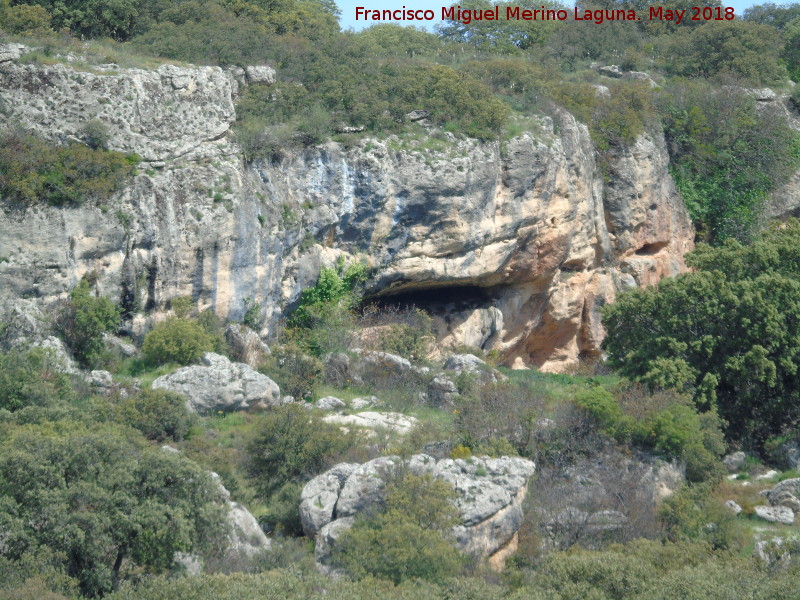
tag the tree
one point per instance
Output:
(746, 50)
(102, 498)
(176, 340)
(85, 319)
(292, 446)
(729, 333)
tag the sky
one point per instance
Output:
(348, 8)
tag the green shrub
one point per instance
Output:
(110, 498)
(34, 171)
(735, 349)
(408, 540)
(83, 321)
(95, 134)
(283, 509)
(727, 153)
(296, 372)
(158, 414)
(176, 340)
(293, 445)
(323, 320)
(411, 339)
(214, 327)
(25, 19)
(27, 378)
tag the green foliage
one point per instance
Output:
(323, 317)
(502, 35)
(34, 171)
(296, 372)
(692, 513)
(102, 498)
(182, 306)
(158, 414)
(746, 50)
(95, 134)
(662, 422)
(293, 445)
(727, 155)
(283, 509)
(176, 340)
(83, 321)
(25, 19)
(28, 378)
(728, 337)
(253, 314)
(407, 540)
(410, 339)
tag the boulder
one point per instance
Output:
(489, 496)
(118, 345)
(734, 461)
(61, 359)
(379, 364)
(442, 391)
(245, 344)
(217, 384)
(775, 514)
(25, 323)
(365, 402)
(785, 494)
(330, 403)
(319, 497)
(464, 362)
(394, 422)
(10, 52)
(733, 507)
(260, 74)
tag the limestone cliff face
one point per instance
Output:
(514, 247)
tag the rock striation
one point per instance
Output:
(489, 499)
(513, 246)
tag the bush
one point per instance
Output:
(112, 502)
(95, 134)
(726, 154)
(293, 445)
(27, 378)
(735, 348)
(662, 422)
(158, 414)
(283, 509)
(25, 19)
(408, 540)
(176, 340)
(490, 412)
(323, 320)
(83, 321)
(296, 373)
(34, 171)
(747, 50)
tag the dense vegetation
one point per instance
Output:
(727, 333)
(34, 171)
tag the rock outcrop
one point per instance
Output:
(219, 385)
(513, 246)
(489, 495)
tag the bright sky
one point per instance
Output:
(348, 8)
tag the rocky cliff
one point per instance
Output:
(514, 245)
